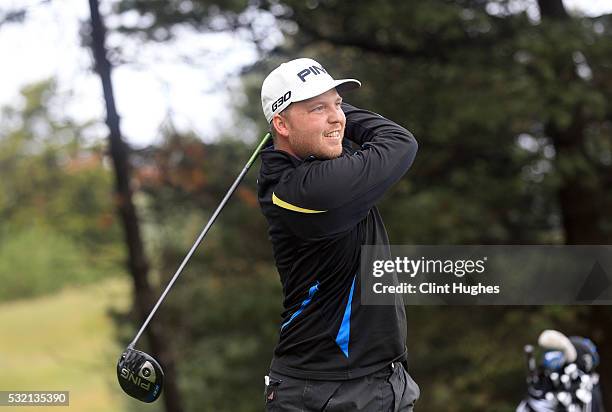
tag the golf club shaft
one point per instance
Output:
(201, 237)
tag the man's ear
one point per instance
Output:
(280, 125)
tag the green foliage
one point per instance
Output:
(56, 208)
(36, 261)
(470, 358)
(230, 340)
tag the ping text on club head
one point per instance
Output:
(135, 379)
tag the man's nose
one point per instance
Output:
(336, 115)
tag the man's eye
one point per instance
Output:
(317, 109)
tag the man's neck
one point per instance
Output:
(278, 145)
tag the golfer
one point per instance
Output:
(319, 198)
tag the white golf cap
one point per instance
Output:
(298, 80)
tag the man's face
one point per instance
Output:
(316, 126)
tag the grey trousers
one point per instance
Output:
(389, 390)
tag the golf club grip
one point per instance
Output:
(531, 363)
(201, 236)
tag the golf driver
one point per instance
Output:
(139, 374)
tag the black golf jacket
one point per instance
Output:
(319, 213)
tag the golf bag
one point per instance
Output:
(565, 379)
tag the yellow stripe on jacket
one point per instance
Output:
(285, 205)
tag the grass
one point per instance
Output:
(65, 341)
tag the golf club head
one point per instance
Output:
(553, 360)
(552, 339)
(139, 375)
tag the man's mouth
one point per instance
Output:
(333, 134)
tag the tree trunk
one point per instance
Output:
(137, 260)
(552, 9)
(582, 205)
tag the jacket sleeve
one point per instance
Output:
(338, 193)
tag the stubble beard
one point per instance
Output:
(305, 146)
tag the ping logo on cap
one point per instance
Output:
(312, 69)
